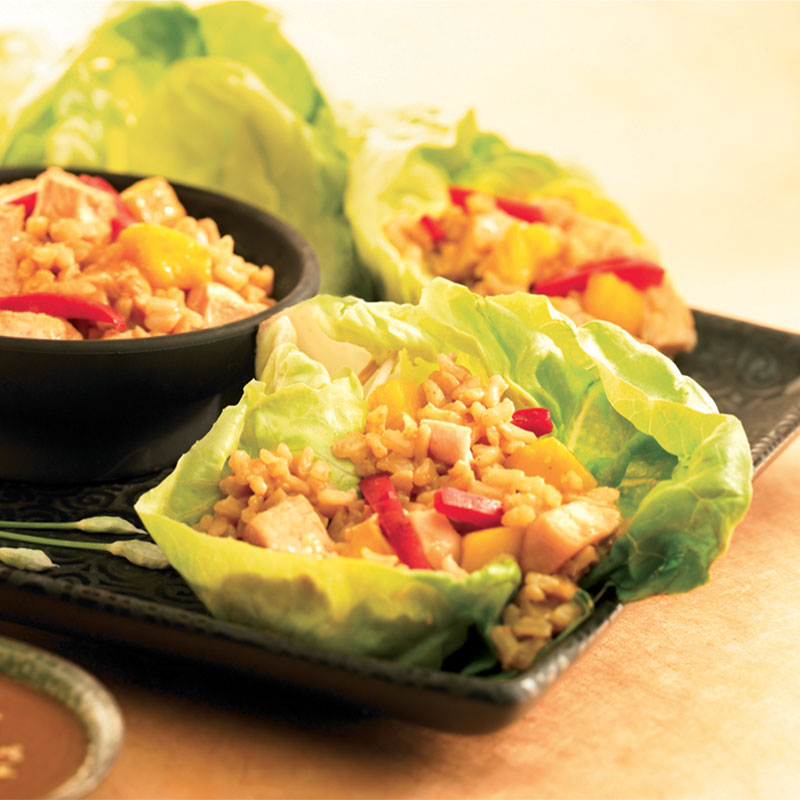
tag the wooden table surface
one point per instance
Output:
(690, 696)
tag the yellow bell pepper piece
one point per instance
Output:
(553, 460)
(165, 256)
(588, 200)
(610, 298)
(517, 257)
(399, 397)
(366, 534)
(478, 548)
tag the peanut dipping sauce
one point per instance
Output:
(42, 743)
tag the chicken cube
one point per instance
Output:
(438, 537)
(153, 200)
(558, 534)
(292, 526)
(16, 190)
(11, 219)
(449, 442)
(30, 325)
(61, 195)
(217, 304)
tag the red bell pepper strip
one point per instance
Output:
(637, 271)
(379, 492)
(459, 195)
(64, 306)
(123, 217)
(527, 212)
(98, 183)
(27, 201)
(536, 420)
(461, 506)
(517, 208)
(433, 227)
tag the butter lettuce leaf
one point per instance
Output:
(683, 469)
(349, 605)
(215, 97)
(407, 162)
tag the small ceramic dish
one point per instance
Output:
(71, 704)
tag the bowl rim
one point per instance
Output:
(90, 701)
(307, 286)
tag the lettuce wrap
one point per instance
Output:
(215, 97)
(683, 470)
(407, 163)
(426, 198)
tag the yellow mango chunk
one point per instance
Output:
(610, 298)
(165, 256)
(588, 200)
(366, 534)
(524, 247)
(551, 459)
(478, 548)
(399, 397)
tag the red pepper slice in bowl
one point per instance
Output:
(27, 201)
(382, 497)
(64, 306)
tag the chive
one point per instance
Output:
(26, 558)
(114, 525)
(143, 554)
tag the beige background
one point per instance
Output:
(688, 113)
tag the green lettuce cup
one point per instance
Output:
(427, 199)
(682, 469)
(214, 97)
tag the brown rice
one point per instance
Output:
(76, 256)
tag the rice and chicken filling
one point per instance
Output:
(568, 242)
(127, 265)
(470, 484)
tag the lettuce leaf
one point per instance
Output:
(350, 605)
(407, 162)
(682, 468)
(217, 98)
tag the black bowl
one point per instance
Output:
(86, 411)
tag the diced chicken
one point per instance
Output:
(292, 526)
(449, 442)
(439, 538)
(11, 218)
(29, 325)
(217, 304)
(62, 195)
(153, 200)
(18, 189)
(668, 324)
(558, 534)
